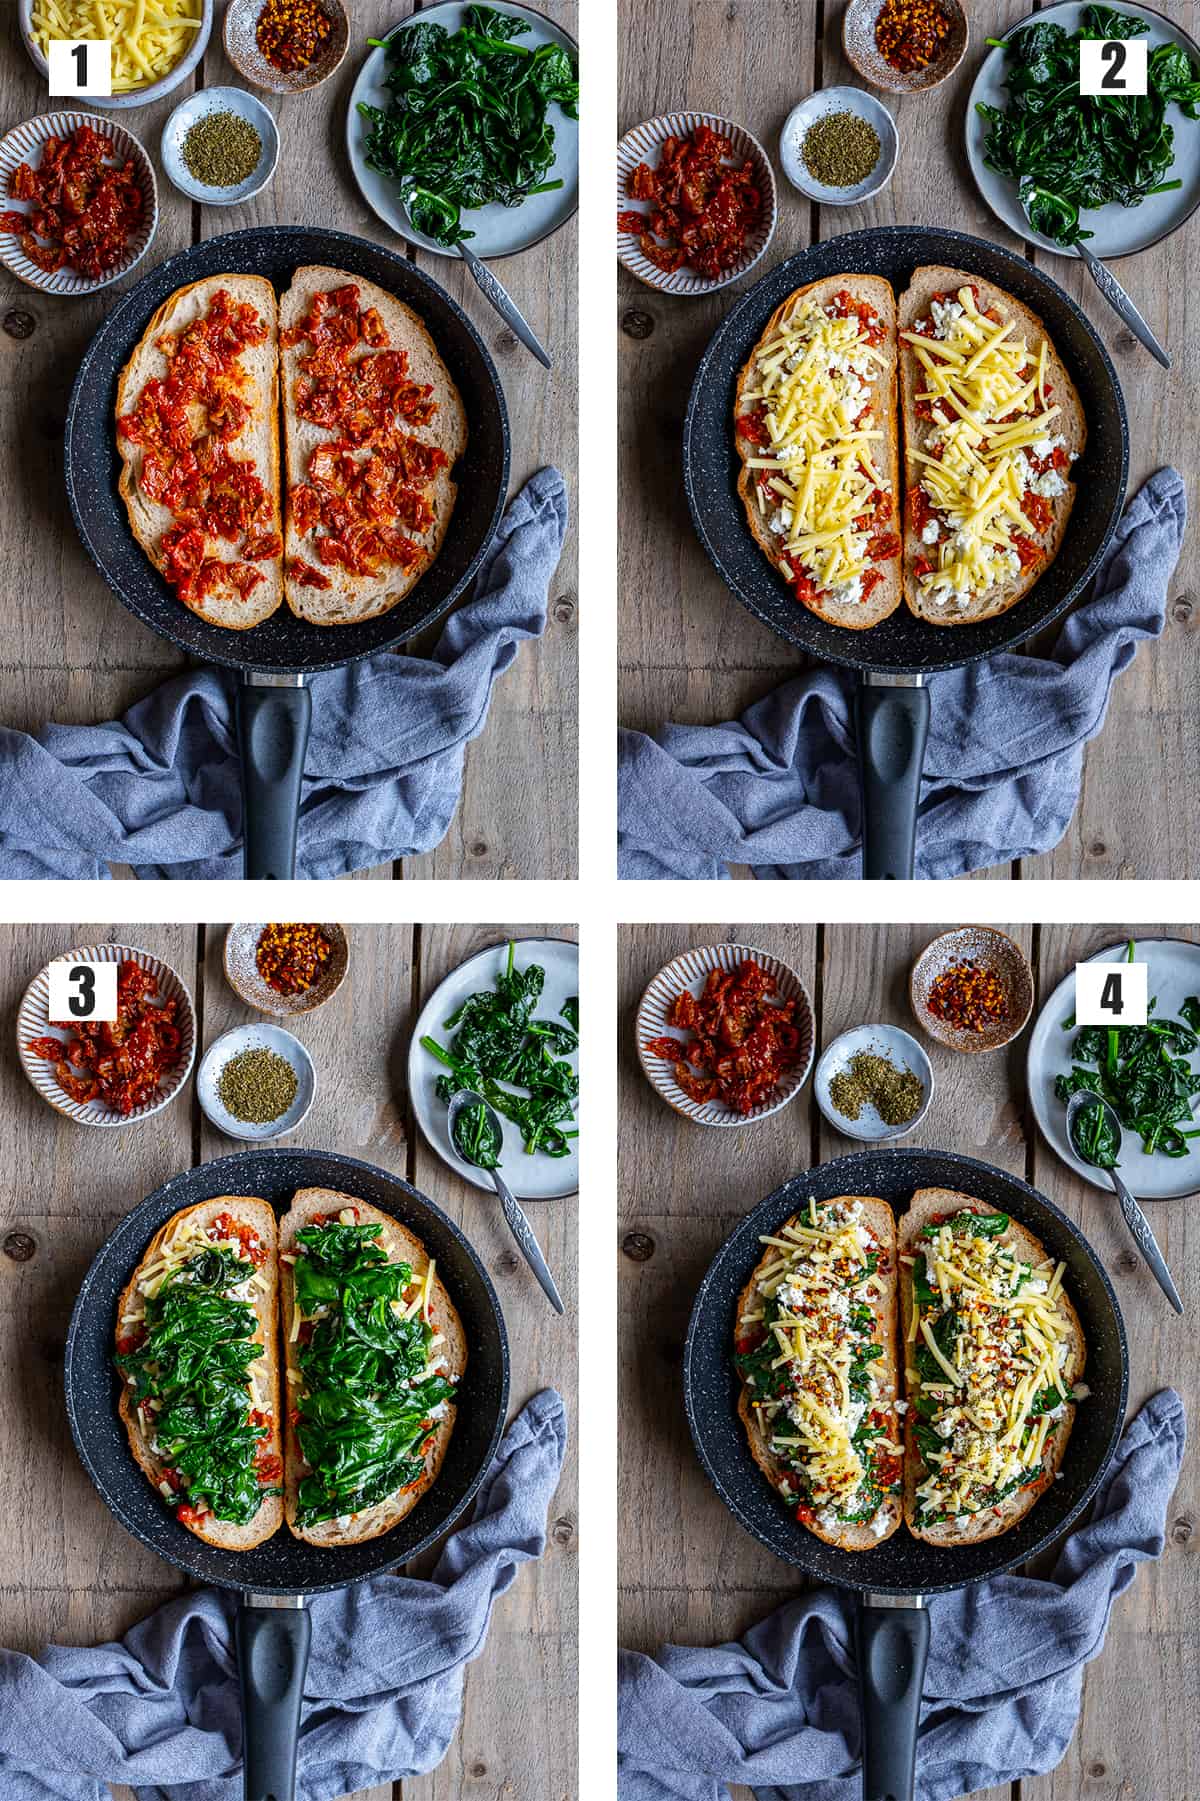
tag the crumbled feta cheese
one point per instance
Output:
(932, 532)
(944, 313)
(844, 593)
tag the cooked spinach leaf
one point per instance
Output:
(1067, 150)
(980, 1225)
(369, 1392)
(468, 121)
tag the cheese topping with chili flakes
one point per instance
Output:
(996, 1371)
(816, 483)
(820, 1410)
(986, 504)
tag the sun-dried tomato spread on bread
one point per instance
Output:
(815, 421)
(197, 433)
(992, 427)
(816, 1351)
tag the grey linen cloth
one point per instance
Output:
(778, 1711)
(778, 788)
(160, 1710)
(160, 788)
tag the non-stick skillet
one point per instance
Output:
(894, 657)
(275, 657)
(274, 1627)
(892, 1580)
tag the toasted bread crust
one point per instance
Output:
(257, 442)
(878, 1216)
(355, 597)
(261, 1215)
(993, 1522)
(858, 615)
(1071, 425)
(401, 1246)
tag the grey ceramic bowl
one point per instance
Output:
(248, 1038)
(839, 100)
(198, 106)
(902, 1049)
(157, 90)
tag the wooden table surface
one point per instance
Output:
(688, 650)
(72, 654)
(68, 1573)
(688, 1572)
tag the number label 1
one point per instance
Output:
(1113, 66)
(81, 991)
(1110, 994)
(79, 66)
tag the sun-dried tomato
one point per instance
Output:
(121, 1061)
(741, 1040)
(704, 205)
(86, 206)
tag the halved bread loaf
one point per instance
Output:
(260, 1217)
(401, 1246)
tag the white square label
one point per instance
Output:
(1110, 994)
(80, 66)
(80, 991)
(1112, 66)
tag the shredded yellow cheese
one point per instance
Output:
(148, 37)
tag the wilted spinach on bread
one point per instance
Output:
(468, 122)
(1068, 150)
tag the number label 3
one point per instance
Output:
(1110, 994)
(1113, 66)
(82, 991)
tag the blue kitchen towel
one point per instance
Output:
(160, 1710)
(160, 788)
(778, 788)
(778, 1710)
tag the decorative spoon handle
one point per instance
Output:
(494, 290)
(1139, 1225)
(522, 1231)
(1121, 304)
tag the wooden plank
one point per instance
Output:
(518, 1731)
(1153, 1645)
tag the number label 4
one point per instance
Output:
(81, 991)
(1110, 994)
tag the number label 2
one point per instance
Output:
(1113, 66)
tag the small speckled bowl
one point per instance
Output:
(241, 972)
(839, 100)
(197, 107)
(644, 145)
(252, 1038)
(241, 47)
(691, 970)
(995, 951)
(900, 1048)
(864, 56)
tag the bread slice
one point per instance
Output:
(928, 1204)
(257, 442)
(308, 1204)
(885, 598)
(1071, 425)
(351, 598)
(880, 1220)
(261, 1217)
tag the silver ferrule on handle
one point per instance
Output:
(883, 678)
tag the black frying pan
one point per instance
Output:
(274, 706)
(895, 656)
(893, 1626)
(273, 1633)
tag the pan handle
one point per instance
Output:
(273, 1636)
(274, 714)
(891, 1642)
(891, 717)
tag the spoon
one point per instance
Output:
(1078, 1106)
(518, 1225)
(1121, 304)
(494, 291)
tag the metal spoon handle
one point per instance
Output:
(499, 296)
(1120, 303)
(1139, 1225)
(522, 1231)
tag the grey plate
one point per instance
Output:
(1174, 973)
(1118, 230)
(499, 230)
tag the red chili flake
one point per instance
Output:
(968, 996)
(911, 33)
(289, 957)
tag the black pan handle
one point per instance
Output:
(891, 1642)
(273, 1637)
(892, 722)
(273, 723)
